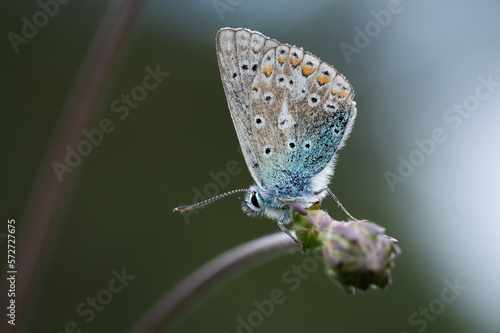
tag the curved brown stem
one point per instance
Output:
(50, 195)
(209, 276)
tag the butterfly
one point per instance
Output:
(291, 112)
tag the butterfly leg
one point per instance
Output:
(284, 219)
(338, 202)
(340, 205)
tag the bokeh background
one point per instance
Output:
(409, 75)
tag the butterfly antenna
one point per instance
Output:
(204, 203)
(340, 205)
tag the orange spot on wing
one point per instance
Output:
(294, 62)
(281, 59)
(255, 87)
(343, 93)
(324, 79)
(267, 70)
(307, 70)
(335, 92)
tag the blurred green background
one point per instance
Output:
(408, 74)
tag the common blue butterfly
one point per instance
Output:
(291, 112)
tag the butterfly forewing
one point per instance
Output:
(239, 52)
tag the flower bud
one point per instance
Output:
(311, 226)
(358, 254)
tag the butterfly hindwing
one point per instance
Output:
(301, 110)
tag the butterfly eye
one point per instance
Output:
(254, 200)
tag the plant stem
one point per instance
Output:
(50, 196)
(212, 275)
